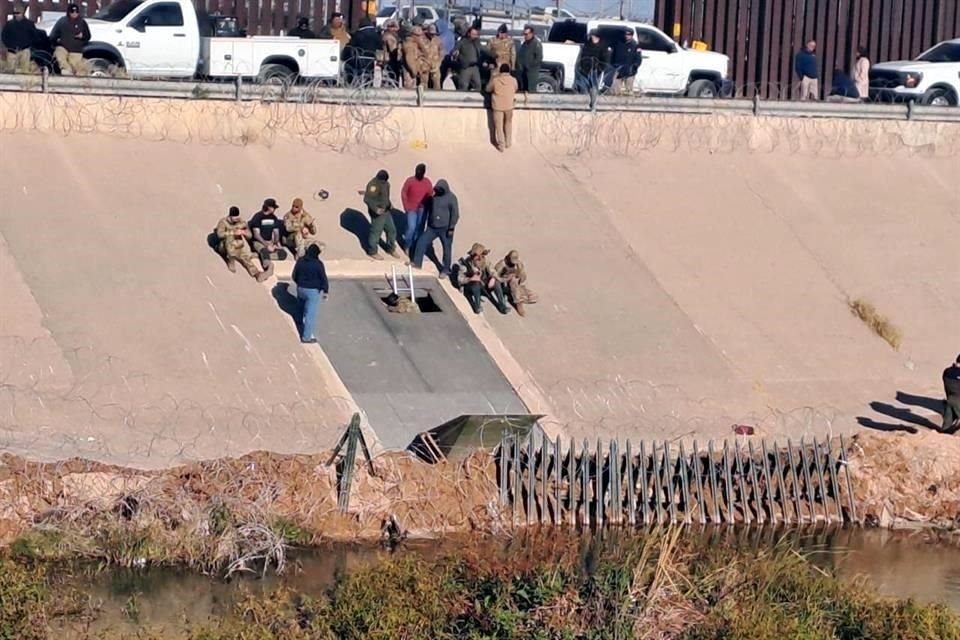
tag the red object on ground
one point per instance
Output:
(743, 429)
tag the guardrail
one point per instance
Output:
(239, 90)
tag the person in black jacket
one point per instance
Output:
(593, 64)
(468, 56)
(302, 30)
(529, 60)
(442, 218)
(951, 407)
(310, 276)
(360, 54)
(19, 36)
(627, 58)
(69, 36)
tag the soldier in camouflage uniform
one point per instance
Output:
(511, 273)
(503, 50)
(415, 68)
(299, 228)
(477, 279)
(392, 53)
(234, 245)
(433, 54)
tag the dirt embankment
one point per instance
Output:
(209, 513)
(902, 478)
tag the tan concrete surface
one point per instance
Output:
(693, 272)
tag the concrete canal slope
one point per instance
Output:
(693, 271)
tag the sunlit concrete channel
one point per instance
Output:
(694, 272)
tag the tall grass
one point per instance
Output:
(657, 586)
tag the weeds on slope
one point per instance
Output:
(878, 323)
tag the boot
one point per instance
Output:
(266, 273)
(264, 256)
(520, 310)
(232, 265)
(281, 254)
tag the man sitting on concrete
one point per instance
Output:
(951, 387)
(233, 235)
(299, 228)
(266, 228)
(477, 279)
(511, 274)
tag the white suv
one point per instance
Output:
(933, 78)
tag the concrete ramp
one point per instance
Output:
(409, 372)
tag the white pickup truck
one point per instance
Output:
(427, 13)
(933, 78)
(667, 68)
(168, 39)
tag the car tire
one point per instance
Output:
(547, 84)
(706, 89)
(100, 67)
(937, 97)
(276, 75)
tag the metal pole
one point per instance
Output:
(766, 481)
(784, 498)
(741, 484)
(558, 472)
(631, 504)
(531, 478)
(806, 480)
(714, 490)
(644, 497)
(823, 487)
(613, 464)
(832, 470)
(731, 514)
(598, 487)
(796, 480)
(846, 472)
(585, 486)
(572, 483)
(657, 488)
(684, 485)
(698, 473)
(756, 485)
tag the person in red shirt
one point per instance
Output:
(414, 195)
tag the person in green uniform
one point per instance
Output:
(377, 198)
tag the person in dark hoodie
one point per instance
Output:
(310, 276)
(302, 30)
(19, 37)
(951, 407)
(442, 218)
(377, 198)
(69, 36)
(359, 55)
(593, 64)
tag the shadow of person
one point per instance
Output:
(933, 404)
(884, 426)
(903, 415)
(491, 129)
(288, 303)
(356, 223)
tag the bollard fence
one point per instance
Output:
(609, 485)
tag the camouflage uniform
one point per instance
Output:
(504, 52)
(511, 272)
(299, 228)
(475, 276)
(433, 57)
(234, 245)
(415, 69)
(393, 55)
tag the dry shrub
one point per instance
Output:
(878, 323)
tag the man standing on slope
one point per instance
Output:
(377, 198)
(414, 194)
(951, 387)
(444, 213)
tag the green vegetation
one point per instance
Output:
(543, 587)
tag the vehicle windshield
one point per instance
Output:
(945, 52)
(386, 12)
(117, 11)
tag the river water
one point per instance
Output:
(922, 565)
